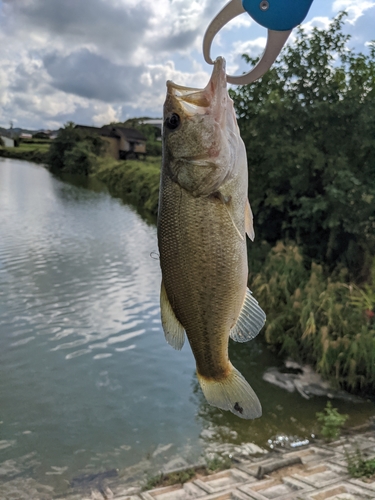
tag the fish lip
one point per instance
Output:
(218, 77)
(218, 80)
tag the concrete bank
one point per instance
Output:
(314, 472)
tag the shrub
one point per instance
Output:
(136, 181)
(74, 150)
(331, 421)
(311, 318)
(358, 466)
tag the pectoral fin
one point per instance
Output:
(173, 330)
(250, 321)
(249, 225)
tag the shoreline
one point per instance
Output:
(317, 471)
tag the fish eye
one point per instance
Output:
(173, 121)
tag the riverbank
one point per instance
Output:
(27, 152)
(136, 181)
(329, 320)
(317, 471)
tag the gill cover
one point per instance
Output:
(200, 134)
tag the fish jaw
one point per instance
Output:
(200, 154)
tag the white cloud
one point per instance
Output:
(355, 8)
(100, 60)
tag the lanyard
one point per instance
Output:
(278, 16)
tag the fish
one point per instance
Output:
(203, 218)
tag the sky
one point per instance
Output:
(98, 61)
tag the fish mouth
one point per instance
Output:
(197, 101)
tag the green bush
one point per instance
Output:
(358, 466)
(80, 159)
(74, 150)
(313, 319)
(331, 421)
(137, 181)
(309, 129)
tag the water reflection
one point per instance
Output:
(87, 381)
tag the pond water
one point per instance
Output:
(87, 381)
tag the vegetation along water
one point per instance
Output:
(309, 129)
(81, 335)
(87, 383)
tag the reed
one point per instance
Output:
(317, 319)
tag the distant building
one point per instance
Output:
(122, 142)
(156, 122)
(7, 141)
(26, 136)
(41, 135)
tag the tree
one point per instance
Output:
(75, 151)
(309, 130)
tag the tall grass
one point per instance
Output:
(29, 152)
(317, 319)
(138, 181)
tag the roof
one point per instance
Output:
(127, 133)
(4, 134)
(115, 131)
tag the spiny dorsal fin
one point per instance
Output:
(249, 225)
(250, 321)
(173, 330)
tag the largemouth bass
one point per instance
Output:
(203, 216)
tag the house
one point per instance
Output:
(7, 140)
(155, 122)
(123, 143)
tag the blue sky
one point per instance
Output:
(99, 61)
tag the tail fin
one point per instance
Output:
(232, 393)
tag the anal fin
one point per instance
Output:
(173, 330)
(250, 321)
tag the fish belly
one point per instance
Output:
(204, 267)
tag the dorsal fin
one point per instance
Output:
(250, 321)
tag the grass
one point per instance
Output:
(136, 181)
(169, 479)
(215, 464)
(359, 467)
(36, 153)
(312, 317)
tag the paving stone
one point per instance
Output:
(227, 495)
(352, 444)
(127, 497)
(321, 475)
(223, 480)
(286, 488)
(368, 483)
(177, 492)
(339, 491)
(253, 466)
(311, 454)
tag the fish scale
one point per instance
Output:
(203, 219)
(199, 250)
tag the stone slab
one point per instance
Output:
(311, 454)
(188, 491)
(321, 475)
(280, 488)
(339, 491)
(370, 484)
(223, 480)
